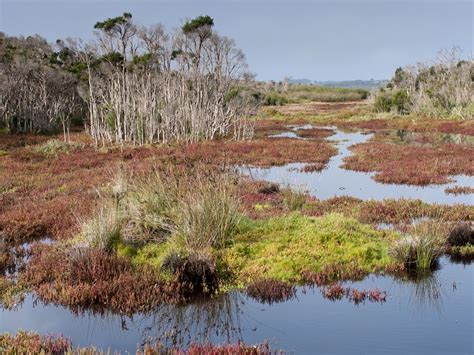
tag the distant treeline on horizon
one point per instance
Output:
(351, 84)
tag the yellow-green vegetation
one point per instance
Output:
(297, 93)
(466, 250)
(54, 147)
(149, 254)
(283, 247)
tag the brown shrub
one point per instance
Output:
(333, 273)
(411, 164)
(94, 280)
(33, 343)
(44, 196)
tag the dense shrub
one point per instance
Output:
(196, 271)
(443, 89)
(94, 280)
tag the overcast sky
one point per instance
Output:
(318, 40)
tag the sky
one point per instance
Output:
(318, 40)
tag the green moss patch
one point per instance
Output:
(282, 248)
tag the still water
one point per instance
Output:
(433, 315)
(335, 181)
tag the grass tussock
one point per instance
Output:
(421, 247)
(295, 198)
(54, 147)
(195, 212)
(209, 215)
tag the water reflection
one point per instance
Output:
(204, 321)
(438, 306)
(425, 290)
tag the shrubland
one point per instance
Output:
(441, 89)
(282, 93)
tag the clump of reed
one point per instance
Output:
(294, 198)
(198, 211)
(103, 230)
(420, 247)
(188, 214)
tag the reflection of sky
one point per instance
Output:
(334, 181)
(307, 324)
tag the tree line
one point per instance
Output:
(134, 83)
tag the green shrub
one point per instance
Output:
(383, 102)
(273, 99)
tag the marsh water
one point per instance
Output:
(422, 315)
(425, 316)
(336, 181)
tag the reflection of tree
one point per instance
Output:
(425, 289)
(202, 321)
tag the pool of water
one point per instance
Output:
(429, 316)
(335, 181)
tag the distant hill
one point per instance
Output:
(352, 84)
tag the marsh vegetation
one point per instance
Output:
(146, 174)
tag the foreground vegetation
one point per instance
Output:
(30, 342)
